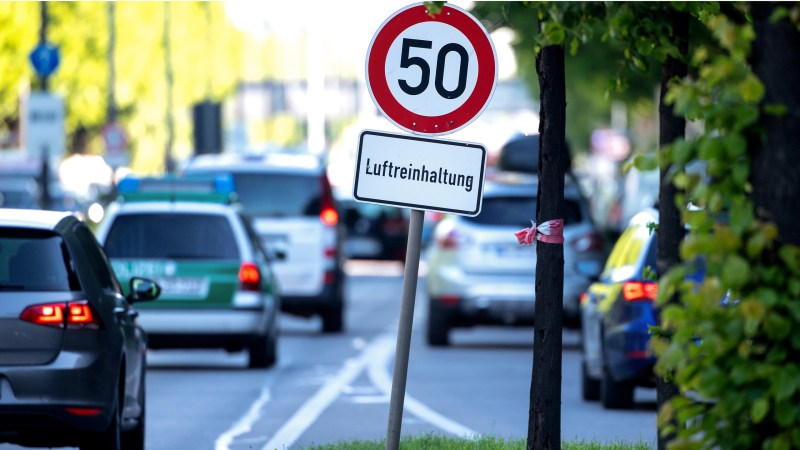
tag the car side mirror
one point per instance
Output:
(143, 290)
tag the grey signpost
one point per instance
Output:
(430, 75)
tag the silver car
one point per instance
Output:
(480, 275)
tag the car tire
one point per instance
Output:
(438, 328)
(110, 439)
(590, 387)
(133, 439)
(615, 394)
(263, 352)
(333, 319)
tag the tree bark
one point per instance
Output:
(544, 417)
(670, 228)
(775, 176)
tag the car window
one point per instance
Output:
(171, 236)
(35, 260)
(629, 248)
(279, 195)
(97, 260)
(518, 211)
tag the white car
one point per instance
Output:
(480, 275)
(291, 202)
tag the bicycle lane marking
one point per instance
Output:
(379, 375)
(374, 359)
(304, 417)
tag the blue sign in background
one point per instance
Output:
(45, 59)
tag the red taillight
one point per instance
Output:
(72, 315)
(329, 217)
(449, 300)
(329, 277)
(584, 297)
(588, 242)
(637, 290)
(84, 412)
(451, 240)
(249, 277)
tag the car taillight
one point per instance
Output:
(452, 240)
(249, 277)
(72, 315)
(328, 215)
(584, 297)
(637, 290)
(588, 242)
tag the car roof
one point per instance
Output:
(32, 218)
(267, 162)
(501, 183)
(176, 207)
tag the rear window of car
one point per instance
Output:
(279, 194)
(171, 236)
(518, 211)
(35, 260)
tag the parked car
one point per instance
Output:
(479, 274)
(294, 211)
(373, 231)
(616, 313)
(218, 289)
(72, 367)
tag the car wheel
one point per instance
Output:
(333, 320)
(615, 394)
(590, 387)
(438, 328)
(263, 352)
(109, 439)
(134, 439)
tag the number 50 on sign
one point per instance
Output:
(431, 74)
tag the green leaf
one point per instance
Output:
(554, 33)
(759, 410)
(735, 271)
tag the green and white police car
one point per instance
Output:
(218, 288)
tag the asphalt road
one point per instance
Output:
(328, 388)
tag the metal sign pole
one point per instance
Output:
(404, 330)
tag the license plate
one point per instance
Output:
(510, 250)
(183, 287)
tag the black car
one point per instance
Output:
(374, 231)
(72, 356)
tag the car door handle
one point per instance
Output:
(133, 313)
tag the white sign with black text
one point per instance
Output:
(419, 173)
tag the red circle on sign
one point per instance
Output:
(402, 116)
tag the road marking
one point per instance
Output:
(375, 359)
(245, 424)
(304, 417)
(379, 375)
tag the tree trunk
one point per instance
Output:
(775, 178)
(544, 416)
(670, 228)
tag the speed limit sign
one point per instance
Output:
(428, 74)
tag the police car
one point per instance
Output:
(218, 289)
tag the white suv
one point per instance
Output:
(291, 203)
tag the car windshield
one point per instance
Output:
(518, 211)
(171, 236)
(279, 195)
(34, 260)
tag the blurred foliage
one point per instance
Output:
(206, 51)
(596, 76)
